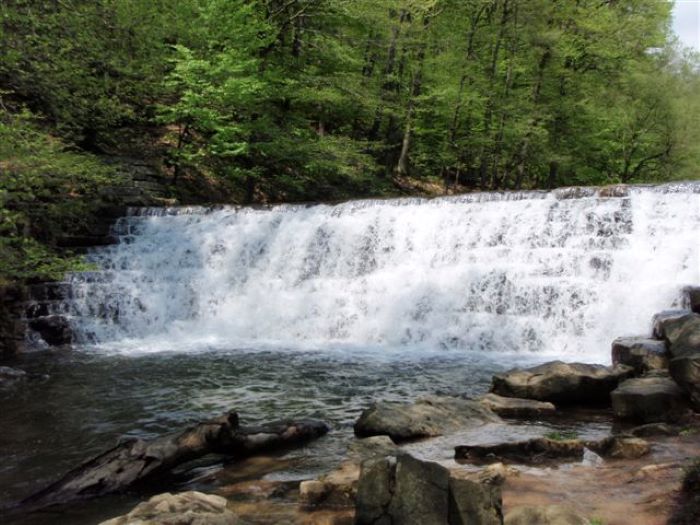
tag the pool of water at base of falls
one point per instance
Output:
(79, 403)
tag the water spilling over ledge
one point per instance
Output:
(557, 273)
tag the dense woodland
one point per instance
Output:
(286, 100)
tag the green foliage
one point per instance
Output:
(44, 191)
(330, 99)
(563, 435)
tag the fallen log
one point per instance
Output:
(135, 463)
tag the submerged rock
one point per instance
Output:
(427, 417)
(9, 376)
(562, 383)
(407, 490)
(531, 451)
(620, 447)
(186, 508)
(649, 400)
(654, 429)
(516, 407)
(545, 515)
(641, 353)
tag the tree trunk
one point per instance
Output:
(136, 463)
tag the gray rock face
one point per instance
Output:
(420, 492)
(374, 492)
(516, 407)
(685, 351)
(430, 416)
(531, 451)
(545, 515)
(474, 502)
(649, 400)
(686, 372)
(641, 353)
(562, 383)
(684, 334)
(408, 491)
(665, 324)
(187, 508)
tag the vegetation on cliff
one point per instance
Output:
(328, 99)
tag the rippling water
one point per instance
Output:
(90, 400)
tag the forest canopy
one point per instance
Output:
(327, 99)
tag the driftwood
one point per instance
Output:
(136, 462)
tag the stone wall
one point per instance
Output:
(35, 309)
(12, 326)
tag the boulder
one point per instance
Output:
(686, 373)
(405, 490)
(186, 508)
(374, 492)
(666, 325)
(649, 400)
(692, 298)
(55, 330)
(685, 352)
(516, 407)
(338, 488)
(430, 416)
(471, 502)
(562, 383)
(641, 353)
(532, 451)
(420, 492)
(620, 447)
(684, 334)
(545, 515)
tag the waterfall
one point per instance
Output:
(558, 273)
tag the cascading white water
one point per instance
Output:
(553, 272)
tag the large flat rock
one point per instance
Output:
(516, 407)
(430, 416)
(649, 400)
(531, 451)
(562, 383)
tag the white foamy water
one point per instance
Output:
(492, 272)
